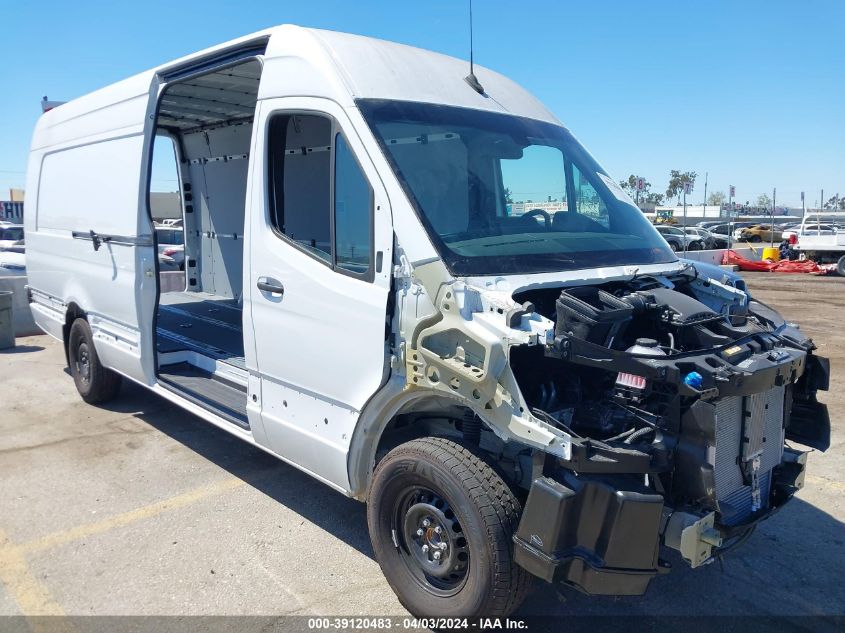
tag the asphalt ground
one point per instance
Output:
(138, 508)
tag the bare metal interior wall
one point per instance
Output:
(211, 115)
(218, 165)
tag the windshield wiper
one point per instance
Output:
(541, 239)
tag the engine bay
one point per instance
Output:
(630, 359)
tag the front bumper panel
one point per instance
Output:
(599, 535)
(602, 534)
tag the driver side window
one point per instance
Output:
(535, 181)
(587, 200)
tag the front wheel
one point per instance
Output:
(94, 382)
(442, 522)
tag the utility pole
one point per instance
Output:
(731, 192)
(772, 226)
(687, 189)
(704, 206)
(685, 220)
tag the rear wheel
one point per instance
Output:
(442, 523)
(755, 239)
(695, 246)
(94, 382)
(840, 266)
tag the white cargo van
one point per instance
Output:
(425, 293)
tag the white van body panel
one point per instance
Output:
(88, 171)
(319, 350)
(115, 283)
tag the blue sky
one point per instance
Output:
(752, 92)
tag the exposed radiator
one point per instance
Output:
(749, 443)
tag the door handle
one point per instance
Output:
(273, 286)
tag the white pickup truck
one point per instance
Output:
(823, 246)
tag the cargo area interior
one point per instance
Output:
(209, 118)
(199, 329)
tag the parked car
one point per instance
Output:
(564, 400)
(11, 235)
(721, 234)
(172, 258)
(171, 247)
(710, 241)
(12, 261)
(676, 238)
(759, 233)
(706, 224)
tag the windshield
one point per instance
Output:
(501, 194)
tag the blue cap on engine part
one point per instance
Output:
(694, 380)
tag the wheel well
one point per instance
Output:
(436, 416)
(72, 313)
(431, 417)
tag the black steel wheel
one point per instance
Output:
(442, 522)
(434, 548)
(94, 382)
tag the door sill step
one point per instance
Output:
(218, 395)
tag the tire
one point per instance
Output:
(674, 247)
(94, 382)
(840, 266)
(755, 238)
(694, 246)
(472, 515)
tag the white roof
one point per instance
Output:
(307, 62)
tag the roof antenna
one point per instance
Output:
(471, 79)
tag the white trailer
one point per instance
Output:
(506, 392)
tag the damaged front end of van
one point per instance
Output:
(640, 414)
(634, 402)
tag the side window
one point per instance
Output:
(302, 179)
(587, 200)
(165, 199)
(534, 182)
(352, 211)
(300, 172)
